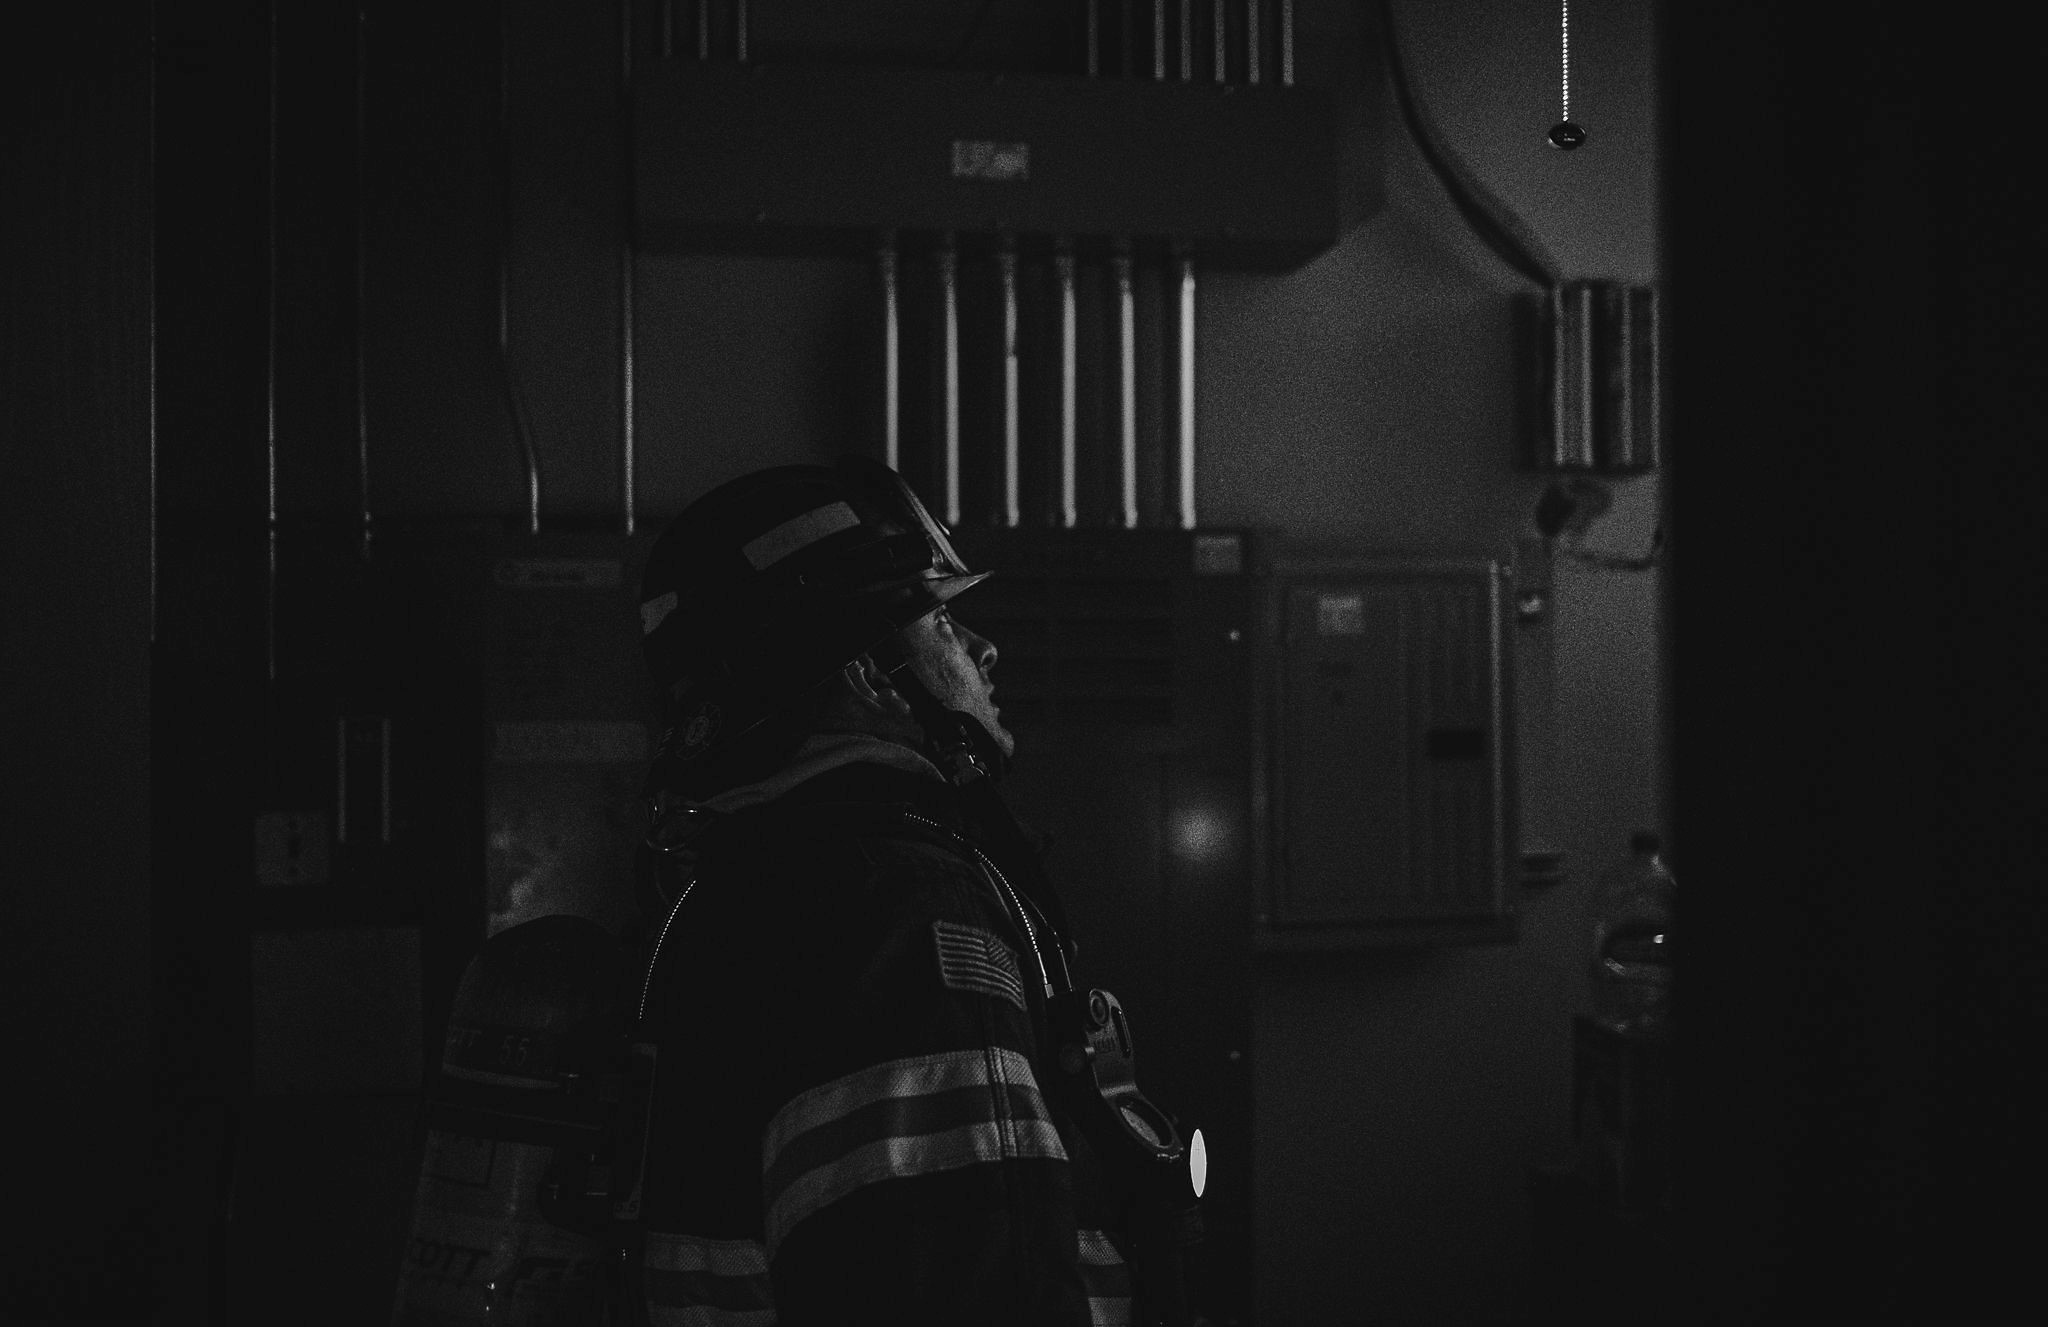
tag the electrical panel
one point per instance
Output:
(569, 726)
(1389, 754)
(822, 157)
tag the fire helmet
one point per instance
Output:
(768, 585)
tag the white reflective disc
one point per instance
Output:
(1198, 1162)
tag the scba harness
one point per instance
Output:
(549, 1072)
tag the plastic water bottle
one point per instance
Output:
(1632, 941)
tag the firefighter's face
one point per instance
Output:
(957, 666)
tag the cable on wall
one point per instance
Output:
(1488, 218)
(155, 533)
(628, 272)
(270, 226)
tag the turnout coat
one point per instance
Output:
(855, 1114)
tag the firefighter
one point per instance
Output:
(856, 990)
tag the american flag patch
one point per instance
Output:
(971, 959)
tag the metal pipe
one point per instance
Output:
(739, 31)
(1571, 376)
(1158, 39)
(361, 282)
(628, 453)
(892, 355)
(668, 28)
(346, 735)
(150, 296)
(1287, 43)
(1251, 41)
(1221, 12)
(1632, 444)
(1127, 385)
(1187, 40)
(270, 375)
(341, 779)
(1186, 421)
(1006, 265)
(1063, 265)
(628, 450)
(1093, 58)
(703, 29)
(515, 401)
(947, 260)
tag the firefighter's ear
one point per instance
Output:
(871, 687)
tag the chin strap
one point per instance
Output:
(965, 751)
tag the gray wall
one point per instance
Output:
(1373, 396)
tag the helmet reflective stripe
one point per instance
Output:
(799, 533)
(655, 611)
(771, 583)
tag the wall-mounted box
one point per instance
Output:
(824, 157)
(1388, 754)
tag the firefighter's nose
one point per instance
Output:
(979, 648)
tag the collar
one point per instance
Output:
(865, 776)
(821, 754)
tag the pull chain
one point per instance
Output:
(1564, 134)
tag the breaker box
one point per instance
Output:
(569, 726)
(823, 158)
(1389, 753)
